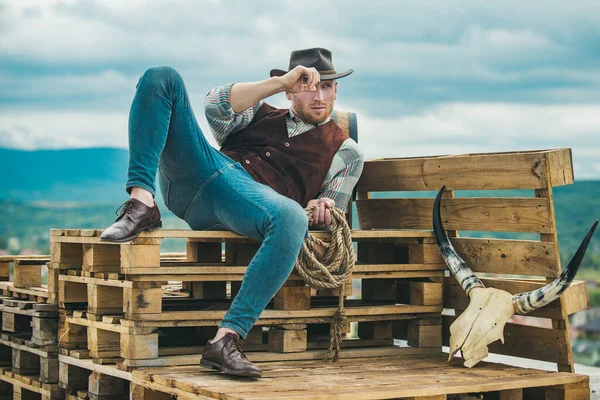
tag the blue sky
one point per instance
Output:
(431, 77)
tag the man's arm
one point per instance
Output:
(231, 108)
(345, 170)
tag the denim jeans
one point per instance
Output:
(208, 190)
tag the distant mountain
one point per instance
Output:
(95, 175)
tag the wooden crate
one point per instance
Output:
(513, 265)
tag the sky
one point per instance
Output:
(431, 77)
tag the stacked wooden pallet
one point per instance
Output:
(115, 302)
(29, 348)
(27, 278)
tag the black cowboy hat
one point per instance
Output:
(316, 57)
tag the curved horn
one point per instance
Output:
(463, 274)
(526, 302)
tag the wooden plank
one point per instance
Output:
(515, 170)
(514, 257)
(211, 236)
(576, 297)
(527, 341)
(426, 293)
(27, 275)
(473, 214)
(351, 353)
(287, 340)
(101, 258)
(89, 365)
(375, 378)
(314, 315)
(140, 256)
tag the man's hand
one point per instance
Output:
(322, 214)
(301, 79)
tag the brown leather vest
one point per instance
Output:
(293, 166)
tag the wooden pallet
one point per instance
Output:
(515, 265)
(81, 378)
(26, 278)
(36, 323)
(27, 387)
(146, 342)
(27, 358)
(424, 377)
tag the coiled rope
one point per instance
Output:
(329, 269)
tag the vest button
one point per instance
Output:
(247, 161)
(268, 154)
(287, 144)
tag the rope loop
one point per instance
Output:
(328, 265)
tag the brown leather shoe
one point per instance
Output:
(226, 355)
(135, 217)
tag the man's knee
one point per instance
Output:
(160, 76)
(291, 221)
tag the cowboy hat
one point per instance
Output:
(316, 57)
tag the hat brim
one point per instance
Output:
(280, 72)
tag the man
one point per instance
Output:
(272, 164)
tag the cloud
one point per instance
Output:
(430, 77)
(452, 128)
(459, 128)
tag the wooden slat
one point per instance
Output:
(473, 214)
(365, 378)
(511, 257)
(226, 235)
(575, 296)
(516, 170)
(273, 317)
(524, 341)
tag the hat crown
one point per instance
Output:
(317, 57)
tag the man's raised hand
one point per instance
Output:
(301, 79)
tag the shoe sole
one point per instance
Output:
(149, 228)
(214, 366)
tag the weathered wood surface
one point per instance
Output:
(515, 170)
(525, 341)
(92, 235)
(496, 214)
(366, 378)
(575, 297)
(498, 256)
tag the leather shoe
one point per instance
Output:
(226, 355)
(135, 218)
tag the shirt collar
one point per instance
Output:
(297, 120)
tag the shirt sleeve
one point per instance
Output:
(345, 170)
(221, 118)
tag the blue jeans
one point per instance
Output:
(208, 190)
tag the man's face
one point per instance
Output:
(314, 107)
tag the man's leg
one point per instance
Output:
(163, 134)
(256, 211)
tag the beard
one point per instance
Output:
(312, 117)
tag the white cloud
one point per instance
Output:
(458, 128)
(452, 128)
(432, 77)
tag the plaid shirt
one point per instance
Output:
(347, 163)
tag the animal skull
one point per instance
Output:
(489, 309)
